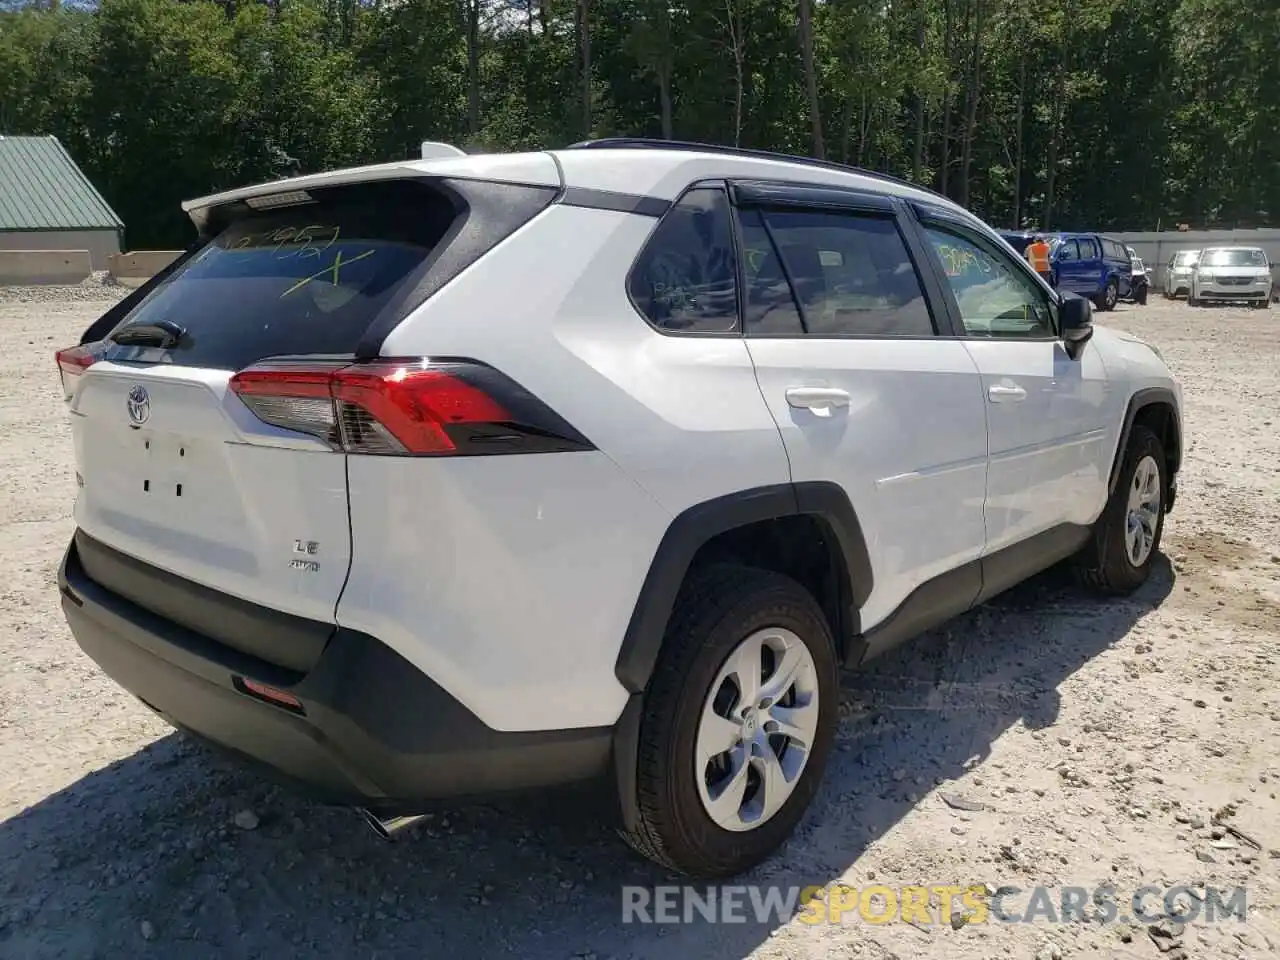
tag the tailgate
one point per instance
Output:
(247, 496)
(206, 491)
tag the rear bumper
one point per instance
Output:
(373, 730)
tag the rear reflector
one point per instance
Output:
(413, 407)
(263, 692)
(73, 362)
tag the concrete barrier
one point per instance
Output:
(1156, 249)
(140, 264)
(36, 267)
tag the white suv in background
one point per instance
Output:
(472, 474)
(1232, 275)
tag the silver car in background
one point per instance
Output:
(1178, 272)
(1232, 274)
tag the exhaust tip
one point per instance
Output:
(388, 828)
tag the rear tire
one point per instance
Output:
(721, 611)
(1118, 557)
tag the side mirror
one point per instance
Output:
(1076, 316)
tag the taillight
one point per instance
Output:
(410, 407)
(73, 362)
(292, 396)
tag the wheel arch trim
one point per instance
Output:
(1141, 399)
(699, 524)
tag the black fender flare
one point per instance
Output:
(1146, 397)
(697, 525)
(686, 535)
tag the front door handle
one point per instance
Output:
(821, 400)
(1006, 393)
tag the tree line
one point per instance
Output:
(1059, 114)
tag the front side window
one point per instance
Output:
(995, 297)
(850, 273)
(1068, 250)
(685, 279)
(1088, 249)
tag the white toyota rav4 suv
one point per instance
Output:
(473, 474)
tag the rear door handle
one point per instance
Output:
(1006, 393)
(821, 400)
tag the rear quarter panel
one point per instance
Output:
(510, 580)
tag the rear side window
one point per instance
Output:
(685, 279)
(851, 274)
(304, 279)
(768, 306)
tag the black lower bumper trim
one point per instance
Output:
(374, 730)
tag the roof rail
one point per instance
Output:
(648, 143)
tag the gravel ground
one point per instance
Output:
(1097, 743)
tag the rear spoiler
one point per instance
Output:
(199, 209)
(437, 159)
(434, 150)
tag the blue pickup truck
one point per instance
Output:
(1089, 264)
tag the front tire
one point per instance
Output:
(737, 724)
(1118, 557)
(1110, 295)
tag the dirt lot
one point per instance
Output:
(1100, 739)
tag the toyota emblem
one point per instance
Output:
(139, 405)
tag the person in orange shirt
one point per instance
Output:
(1037, 255)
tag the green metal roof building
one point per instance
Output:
(47, 203)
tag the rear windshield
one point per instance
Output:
(304, 279)
(1234, 258)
